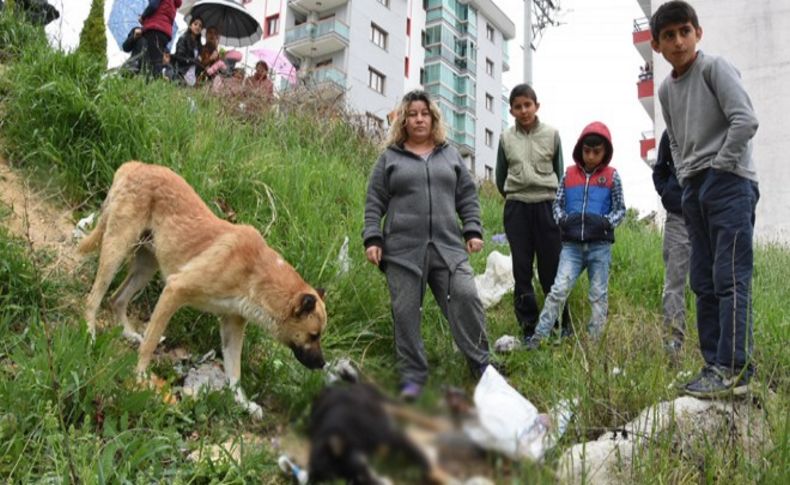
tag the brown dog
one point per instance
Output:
(152, 214)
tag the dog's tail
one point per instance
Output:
(92, 241)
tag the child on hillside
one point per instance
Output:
(528, 169)
(589, 205)
(710, 123)
(675, 251)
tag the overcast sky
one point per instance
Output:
(586, 70)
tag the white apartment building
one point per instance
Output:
(754, 37)
(374, 51)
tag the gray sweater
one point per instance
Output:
(710, 120)
(420, 202)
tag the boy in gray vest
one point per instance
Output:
(710, 123)
(528, 169)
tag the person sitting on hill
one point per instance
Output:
(210, 58)
(187, 55)
(135, 45)
(260, 80)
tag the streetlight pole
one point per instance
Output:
(528, 41)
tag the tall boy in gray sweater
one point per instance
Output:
(710, 122)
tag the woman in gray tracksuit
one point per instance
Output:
(420, 188)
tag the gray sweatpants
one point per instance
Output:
(455, 293)
(676, 269)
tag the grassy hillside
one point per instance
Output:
(69, 409)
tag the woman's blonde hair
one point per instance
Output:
(397, 133)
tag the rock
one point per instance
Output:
(691, 424)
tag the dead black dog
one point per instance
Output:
(350, 425)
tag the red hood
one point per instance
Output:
(598, 128)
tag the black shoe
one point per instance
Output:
(532, 343)
(715, 382)
(566, 331)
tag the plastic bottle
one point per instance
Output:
(290, 468)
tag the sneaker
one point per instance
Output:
(566, 331)
(410, 391)
(672, 347)
(715, 382)
(532, 343)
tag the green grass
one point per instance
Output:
(69, 408)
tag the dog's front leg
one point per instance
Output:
(232, 332)
(170, 301)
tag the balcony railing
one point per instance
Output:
(323, 75)
(647, 143)
(316, 30)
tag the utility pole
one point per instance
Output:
(538, 15)
(528, 41)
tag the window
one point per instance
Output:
(373, 122)
(408, 27)
(489, 67)
(422, 75)
(489, 102)
(489, 32)
(386, 3)
(489, 173)
(406, 67)
(376, 80)
(272, 25)
(489, 138)
(472, 164)
(324, 63)
(378, 36)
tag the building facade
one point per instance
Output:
(754, 37)
(374, 51)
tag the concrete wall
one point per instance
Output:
(755, 37)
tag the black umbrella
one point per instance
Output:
(237, 27)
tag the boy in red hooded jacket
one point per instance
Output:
(589, 205)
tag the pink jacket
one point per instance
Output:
(163, 17)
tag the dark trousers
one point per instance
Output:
(156, 43)
(718, 207)
(531, 231)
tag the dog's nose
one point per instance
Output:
(311, 359)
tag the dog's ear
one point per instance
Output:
(336, 445)
(321, 292)
(306, 305)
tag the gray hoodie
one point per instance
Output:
(421, 202)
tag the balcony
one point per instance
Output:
(318, 6)
(642, 38)
(316, 39)
(647, 147)
(644, 89)
(326, 78)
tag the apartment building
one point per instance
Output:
(374, 51)
(754, 37)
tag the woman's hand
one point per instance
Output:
(373, 253)
(474, 245)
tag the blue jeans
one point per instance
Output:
(719, 210)
(574, 258)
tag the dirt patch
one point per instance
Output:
(34, 217)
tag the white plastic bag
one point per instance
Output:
(509, 424)
(497, 279)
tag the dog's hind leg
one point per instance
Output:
(232, 332)
(116, 244)
(141, 270)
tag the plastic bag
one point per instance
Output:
(508, 423)
(497, 279)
